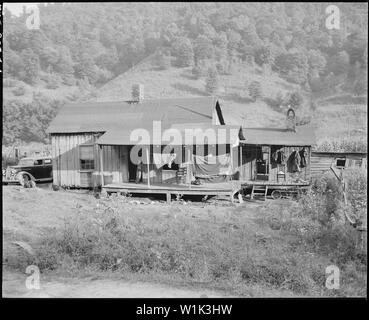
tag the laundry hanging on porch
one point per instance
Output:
(162, 159)
(279, 157)
(212, 166)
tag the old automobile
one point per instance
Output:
(29, 171)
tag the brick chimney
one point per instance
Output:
(137, 92)
(291, 120)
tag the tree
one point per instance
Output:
(108, 60)
(355, 46)
(13, 64)
(203, 49)
(234, 40)
(212, 81)
(361, 86)
(31, 66)
(339, 63)
(255, 91)
(86, 68)
(183, 51)
(317, 61)
(295, 100)
(263, 55)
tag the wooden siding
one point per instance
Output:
(321, 164)
(66, 161)
(248, 166)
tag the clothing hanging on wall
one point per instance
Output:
(279, 157)
(303, 155)
(295, 161)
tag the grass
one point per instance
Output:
(283, 247)
(179, 82)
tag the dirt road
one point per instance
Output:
(14, 285)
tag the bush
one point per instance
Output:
(10, 83)
(343, 144)
(110, 236)
(295, 100)
(52, 81)
(19, 91)
(212, 81)
(197, 72)
(255, 90)
(69, 80)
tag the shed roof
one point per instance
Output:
(103, 116)
(187, 134)
(304, 136)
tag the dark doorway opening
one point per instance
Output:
(132, 168)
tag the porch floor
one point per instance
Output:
(273, 183)
(209, 189)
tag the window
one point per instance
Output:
(25, 162)
(47, 161)
(37, 162)
(86, 156)
(341, 163)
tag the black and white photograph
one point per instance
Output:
(184, 150)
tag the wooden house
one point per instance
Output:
(92, 142)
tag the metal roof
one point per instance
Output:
(104, 116)
(304, 136)
(184, 133)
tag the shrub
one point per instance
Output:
(197, 72)
(212, 81)
(19, 91)
(295, 100)
(343, 144)
(255, 91)
(53, 81)
(69, 80)
(10, 83)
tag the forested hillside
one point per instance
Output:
(81, 47)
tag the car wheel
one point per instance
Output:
(23, 180)
(276, 194)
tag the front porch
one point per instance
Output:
(230, 189)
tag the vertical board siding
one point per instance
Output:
(66, 161)
(248, 166)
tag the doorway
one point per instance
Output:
(132, 168)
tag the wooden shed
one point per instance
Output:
(321, 162)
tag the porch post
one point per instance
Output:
(189, 169)
(101, 165)
(231, 151)
(148, 167)
(241, 164)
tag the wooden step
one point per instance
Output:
(259, 191)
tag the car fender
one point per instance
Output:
(21, 173)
